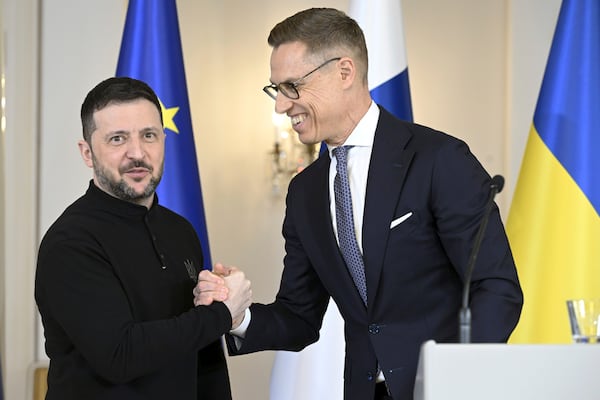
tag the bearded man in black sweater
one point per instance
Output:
(116, 271)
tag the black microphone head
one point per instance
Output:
(497, 183)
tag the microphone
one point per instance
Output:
(496, 185)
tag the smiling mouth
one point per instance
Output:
(297, 119)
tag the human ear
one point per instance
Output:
(347, 70)
(86, 152)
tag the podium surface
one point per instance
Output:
(507, 371)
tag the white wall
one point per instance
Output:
(19, 191)
(456, 53)
(475, 69)
(531, 27)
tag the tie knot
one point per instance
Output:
(341, 153)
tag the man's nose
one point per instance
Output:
(135, 148)
(282, 103)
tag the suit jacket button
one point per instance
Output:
(370, 376)
(374, 329)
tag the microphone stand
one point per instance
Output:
(496, 186)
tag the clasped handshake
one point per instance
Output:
(228, 285)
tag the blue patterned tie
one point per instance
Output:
(345, 222)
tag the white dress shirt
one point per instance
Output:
(359, 158)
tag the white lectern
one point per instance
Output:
(507, 371)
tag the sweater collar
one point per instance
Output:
(117, 205)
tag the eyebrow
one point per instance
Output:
(117, 132)
(151, 129)
(288, 80)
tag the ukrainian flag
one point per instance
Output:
(554, 221)
(151, 52)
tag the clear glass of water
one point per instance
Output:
(584, 318)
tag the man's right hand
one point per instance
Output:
(226, 284)
(240, 295)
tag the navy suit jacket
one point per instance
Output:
(414, 270)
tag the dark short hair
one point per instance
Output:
(113, 91)
(325, 32)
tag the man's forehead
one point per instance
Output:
(288, 62)
(132, 109)
(128, 116)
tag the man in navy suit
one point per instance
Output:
(418, 197)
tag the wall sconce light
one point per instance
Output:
(289, 155)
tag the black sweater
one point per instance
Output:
(114, 287)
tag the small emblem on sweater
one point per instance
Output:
(189, 266)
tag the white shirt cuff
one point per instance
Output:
(240, 331)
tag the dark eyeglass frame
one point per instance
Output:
(290, 89)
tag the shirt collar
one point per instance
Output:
(364, 132)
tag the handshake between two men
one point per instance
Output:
(226, 284)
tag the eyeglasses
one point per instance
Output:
(290, 89)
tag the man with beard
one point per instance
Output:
(116, 271)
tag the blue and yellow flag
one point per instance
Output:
(151, 52)
(554, 221)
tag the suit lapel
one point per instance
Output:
(389, 164)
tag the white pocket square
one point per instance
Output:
(400, 220)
